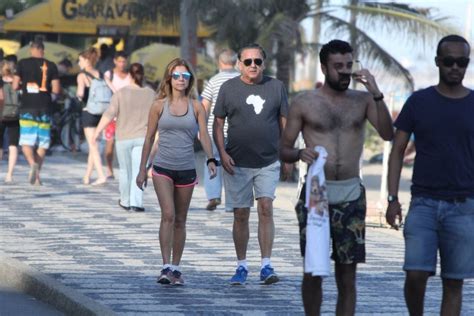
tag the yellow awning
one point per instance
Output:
(155, 58)
(53, 52)
(109, 18)
(9, 47)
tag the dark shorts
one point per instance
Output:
(90, 120)
(13, 128)
(180, 178)
(347, 228)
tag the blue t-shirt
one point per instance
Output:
(444, 133)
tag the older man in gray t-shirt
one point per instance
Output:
(256, 107)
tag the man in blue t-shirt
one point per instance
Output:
(441, 213)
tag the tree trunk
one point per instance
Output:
(353, 35)
(188, 22)
(284, 60)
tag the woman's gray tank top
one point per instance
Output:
(176, 139)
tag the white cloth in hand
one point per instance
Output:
(317, 226)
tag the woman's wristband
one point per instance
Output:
(214, 160)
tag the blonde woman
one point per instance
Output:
(177, 117)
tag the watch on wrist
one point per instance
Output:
(214, 160)
(392, 198)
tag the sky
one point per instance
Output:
(419, 61)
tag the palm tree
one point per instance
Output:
(415, 25)
(275, 24)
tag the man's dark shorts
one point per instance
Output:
(347, 228)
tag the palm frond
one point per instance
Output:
(409, 24)
(372, 53)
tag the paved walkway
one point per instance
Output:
(79, 236)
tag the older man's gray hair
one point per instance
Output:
(227, 57)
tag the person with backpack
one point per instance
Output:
(38, 78)
(93, 91)
(9, 115)
(117, 78)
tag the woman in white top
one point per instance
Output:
(116, 78)
(87, 61)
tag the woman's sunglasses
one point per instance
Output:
(176, 75)
(450, 61)
(257, 61)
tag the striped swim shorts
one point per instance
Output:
(35, 130)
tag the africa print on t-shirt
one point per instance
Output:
(256, 101)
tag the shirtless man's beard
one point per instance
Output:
(342, 84)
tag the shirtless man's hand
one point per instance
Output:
(364, 77)
(307, 155)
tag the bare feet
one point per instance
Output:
(33, 175)
(8, 178)
(86, 180)
(99, 181)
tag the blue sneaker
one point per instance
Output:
(239, 277)
(268, 275)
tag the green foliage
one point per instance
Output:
(409, 25)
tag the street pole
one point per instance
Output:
(189, 24)
(387, 146)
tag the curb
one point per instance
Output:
(22, 277)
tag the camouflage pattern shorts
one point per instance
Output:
(347, 228)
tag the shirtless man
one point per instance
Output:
(334, 117)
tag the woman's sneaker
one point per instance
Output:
(166, 276)
(177, 278)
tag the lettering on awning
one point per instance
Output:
(112, 10)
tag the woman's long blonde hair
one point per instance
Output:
(165, 90)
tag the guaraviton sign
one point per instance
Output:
(95, 17)
(110, 10)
